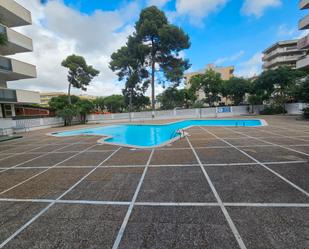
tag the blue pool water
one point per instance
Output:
(152, 135)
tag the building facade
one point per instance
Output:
(47, 96)
(13, 15)
(303, 43)
(282, 53)
(225, 72)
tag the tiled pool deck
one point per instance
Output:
(217, 188)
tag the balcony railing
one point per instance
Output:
(11, 69)
(303, 62)
(16, 42)
(303, 4)
(279, 51)
(8, 95)
(14, 14)
(5, 64)
(303, 23)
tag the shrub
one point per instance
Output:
(273, 109)
(306, 113)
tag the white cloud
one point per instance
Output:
(230, 59)
(196, 10)
(59, 31)
(285, 31)
(251, 67)
(159, 3)
(257, 7)
(302, 34)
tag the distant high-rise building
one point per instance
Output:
(282, 53)
(13, 14)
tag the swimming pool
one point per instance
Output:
(152, 135)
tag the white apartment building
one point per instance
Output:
(303, 43)
(13, 15)
(282, 53)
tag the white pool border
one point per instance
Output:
(103, 139)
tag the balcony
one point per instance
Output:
(303, 23)
(11, 69)
(13, 14)
(303, 62)
(303, 4)
(281, 51)
(19, 96)
(16, 42)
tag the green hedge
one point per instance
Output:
(271, 110)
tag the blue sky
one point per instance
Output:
(225, 32)
(226, 35)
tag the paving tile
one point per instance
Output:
(226, 135)
(87, 159)
(285, 141)
(104, 147)
(199, 136)
(72, 226)
(108, 184)
(48, 160)
(222, 155)
(175, 184)
(180, 143)
(171, 157)
(77, 147)
(296, 173)
(127, 156)
(177, 228)
(49, 148)
(17, 159)
(274, 154)
(304, 149)
(245, 142)
(252, 183)
(22, 148)
(4, 148)
(48, 185)
(15, 214)
(207, 143)
(12, 177)
(272, 228)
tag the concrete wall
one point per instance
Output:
(24, 96)
(24, 69)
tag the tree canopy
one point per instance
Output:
(236, 89)
(114, 103)
(163, 41)
(80, 74)
(128, 63)
(210, 83)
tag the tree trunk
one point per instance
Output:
(153, 85)
(69, 94)
(130, 104)
(153, 68)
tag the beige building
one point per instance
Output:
(282, 53)
(303, 43)
(47, 96)
(14, 15)
(225, 72)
